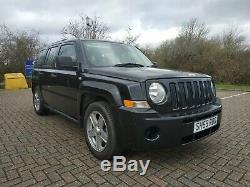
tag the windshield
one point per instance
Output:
(101, 54)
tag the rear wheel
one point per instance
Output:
(38, 103)
(99, 130)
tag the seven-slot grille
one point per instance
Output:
(190, 93)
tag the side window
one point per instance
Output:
(41, 58)
(68, 50)
(52, 57)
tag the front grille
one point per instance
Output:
(185, 94)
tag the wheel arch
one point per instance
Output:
(92, 91)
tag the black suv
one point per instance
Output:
(121, 99)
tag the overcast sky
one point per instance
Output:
(154, 20)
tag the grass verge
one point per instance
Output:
(235, 87)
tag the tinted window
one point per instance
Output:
(110, 54)
(68, 50)
(52, 57)
(41, 58)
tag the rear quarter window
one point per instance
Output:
(51, 57)
(41, 58)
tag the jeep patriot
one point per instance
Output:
(121, 99)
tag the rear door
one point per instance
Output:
(37, 75)
(48, 77)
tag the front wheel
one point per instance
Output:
(99, 130)
(38, 104)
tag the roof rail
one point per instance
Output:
(59, 41)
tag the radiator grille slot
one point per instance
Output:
(190, 93)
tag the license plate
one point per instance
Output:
(205, 124)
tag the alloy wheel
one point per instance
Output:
(97, 131)
(37, 101)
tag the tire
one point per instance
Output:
(98, 121)
(38, 103)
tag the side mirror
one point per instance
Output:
(65, 62)
(154, 65)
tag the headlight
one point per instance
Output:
(157, 93)
(213, 88)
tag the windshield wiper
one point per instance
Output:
(129, 64)
(152, 66)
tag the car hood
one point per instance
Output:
(143, 73)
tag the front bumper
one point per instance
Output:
(169, 129)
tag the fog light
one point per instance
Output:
(152, 133)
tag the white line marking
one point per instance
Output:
(237, 95)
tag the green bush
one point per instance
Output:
(226, 58)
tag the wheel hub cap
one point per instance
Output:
(97, 131)
(36, 101)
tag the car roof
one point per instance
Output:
(74, 40)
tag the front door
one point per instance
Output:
(67, 83)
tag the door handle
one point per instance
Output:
(53, 75)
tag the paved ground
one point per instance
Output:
(51, 150)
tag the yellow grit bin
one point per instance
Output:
(14, 81)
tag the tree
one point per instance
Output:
(190, 45)
(130, 38)
(192, 35)
(193, 31)
(15, 48)
(224, 57)
(232, 41)
(86, 28)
